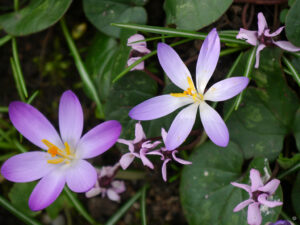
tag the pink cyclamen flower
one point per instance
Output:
(106, 185)
(259, 194)
(264, 38)
(64, 158)
(139, 147)
(138, 49)
(193, 96)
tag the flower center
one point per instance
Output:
(59, 155)
(191, 91)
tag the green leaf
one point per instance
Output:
(194, 15)
(296, 195)
(297, 129)
(101, 13)
(56, 207)
(287, 163)
(36, 16)
(293, 24)
(208, 179)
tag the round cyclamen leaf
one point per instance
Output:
(292, 23)
(207, 180)
(36, 16)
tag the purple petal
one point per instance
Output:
(112, 195)
(181, 127)
(27, 167)
(157, 107)
(181, 161)
(256, 181)
(33, 125)
(139, 66)
(150, 145)
(226, 89)
(243, 186)
(254, 216)
(271, 204)
(139, 133)
(164, 134)
(262, 23)
(248, 35)
(99, 139)
(242, 205)
(207, 59)
(70, 118)
(81, 177)
(278, 31)
(126, 160)
(259, 48)
(145, 160)
(139, 46)
(118, 186)
(164, 169)
(286, 45)
(47, 190)
(214, 125)
(175, 69)
(270, 187)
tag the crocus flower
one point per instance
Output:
(259, 194)
(264, 38)
(64, 160)
(281, 222)
(138, 49)
(193, 96)
(139, 147)
(106, 185)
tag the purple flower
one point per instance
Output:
(259, 194)
(64, 158)
(264, 38)
(194, 97)
(139, 147)
(281, 222)
(106, 185)
(138, 49)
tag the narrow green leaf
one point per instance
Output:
(292, 69)
(15, 74)
(179, 33)
(6, 156)
(20, 147)
(5, 39)
(3, 109)
(229, 51)
(81, 68)
(5, 145)
(26, 219)
(32, 97)
(289, 171)
(143, 206)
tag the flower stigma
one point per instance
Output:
(63, 155)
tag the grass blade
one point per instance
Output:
(5, 39)
(143, 206)
(3, 109)
(32, 97)
(15, 74)
(293, 71)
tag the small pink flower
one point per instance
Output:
(259, 194)
(264, 38)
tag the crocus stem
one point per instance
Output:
(81, 68)
(289, 171)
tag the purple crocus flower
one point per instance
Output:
(106, 185)
(281, 222)
(264, 38)
(194, 97)
(138, 49)
(64, 160)
(259, 194)
(139, 147)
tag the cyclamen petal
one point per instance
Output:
(259, 48)
(277, 32)
(270, 187)
(181, 161)
(254, 216)
(242, 205)
(139, 66)
(271, 204)
(139, 46)
(256, 181)
(262, 23)
(248, 35)
(164, 169)
(144, 159)
(286, 45)
(243, 186)
(139, 133)
(112, 195)
(126, 160)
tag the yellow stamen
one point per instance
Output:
(55, 161)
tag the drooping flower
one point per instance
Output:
(139, 147)
(193, 96)
(64, 160)
(259, 194)
(106, 185)
(139, 49)
(281, 222)
(264, 38)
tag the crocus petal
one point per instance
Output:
(112, 195)
(157, 107)
(207, 59)
(118, 186)
(164, 169)
(214, 125)
(270, 187)
(256, 181)
(93, 192)
(47, 190)
(286, 45)
(278, 31)
(81, 176)
(242, 205)
(248, 35)
(99, 139)
(254, 216)
(33, 125)
(259, 48)
(181, 161)
(173, 66)
(139, 66)
(126, 160)
(226, 89)
(145, 160)
(262, 23)
(263, 200)
(181, 127)
(243, 186)
(70, 118)
(139, 133)
(139, 46)
(27, 167)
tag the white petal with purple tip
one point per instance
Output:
(254, 216)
